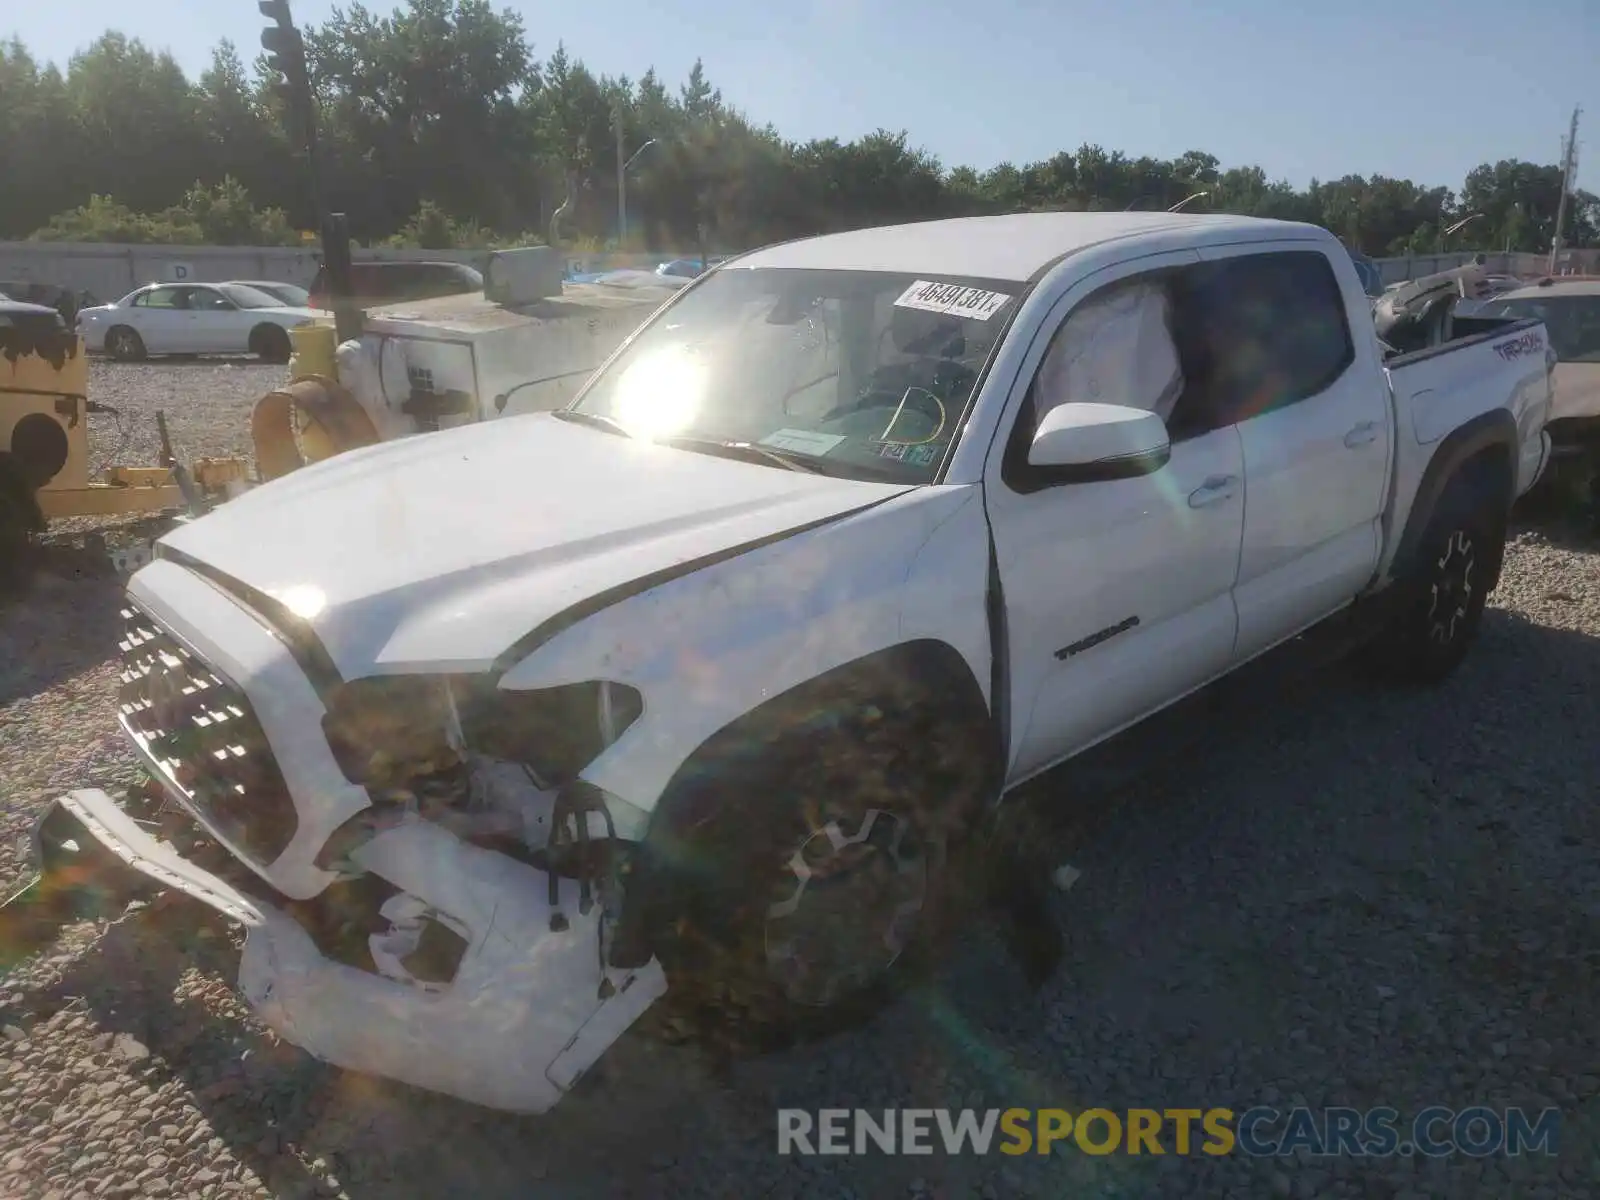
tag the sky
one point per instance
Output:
(1423, 89)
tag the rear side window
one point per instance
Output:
(1256, 334)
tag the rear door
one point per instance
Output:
(219, 325)
(1311, 403)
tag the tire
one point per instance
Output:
(270, 343)
(124, 344)
(1457, 565)
(824, 887)
(19, 520)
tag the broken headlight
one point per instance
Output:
(555, 732)
(391, 731)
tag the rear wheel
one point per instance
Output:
(1458, 562)
(270, 343)
(19, 520)
(124, 344)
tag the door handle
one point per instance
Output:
(1213, 491)
(1363, 433)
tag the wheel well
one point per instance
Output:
(1480, 455)
(261, 333)
(927, 677)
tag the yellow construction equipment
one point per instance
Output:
(44, 438)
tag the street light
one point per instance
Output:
(622, 179)
(1458, 225)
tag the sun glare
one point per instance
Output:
(660, 394)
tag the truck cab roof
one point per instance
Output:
(1018, 247)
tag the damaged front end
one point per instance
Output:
(433, 892)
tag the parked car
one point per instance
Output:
(1369, 273)
(1570, 311)
(681, 268)
(28, 291)
(291, 294)
(379, 283)
(700, 682)
(192, 318)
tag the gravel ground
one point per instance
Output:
(1320, 892)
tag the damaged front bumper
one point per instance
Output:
(526, 1012)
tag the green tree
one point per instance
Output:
(440, 127)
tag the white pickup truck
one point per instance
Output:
(496, 735)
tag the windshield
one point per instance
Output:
(863, 374)
(1573, 323)
(248, 297)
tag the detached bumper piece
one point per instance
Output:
(470, 993)
(80, 879)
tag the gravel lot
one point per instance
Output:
(1320, 892)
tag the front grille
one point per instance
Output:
(199, 731)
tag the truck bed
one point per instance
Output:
(1488, 364)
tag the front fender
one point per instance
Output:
(710, 646)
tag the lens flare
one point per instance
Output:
(661, 394)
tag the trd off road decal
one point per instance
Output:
(1094, 639)
(1528, 343)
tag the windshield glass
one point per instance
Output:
(248, 297)
(861, 374)
(1573, 323)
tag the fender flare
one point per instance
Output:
(337, 419)
(1485, 438)
(926, 672)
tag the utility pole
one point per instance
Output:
(286, 55)
(622, 186)
(1569, 169)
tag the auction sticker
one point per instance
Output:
(802, 441)
(916, 454)
(952, 300)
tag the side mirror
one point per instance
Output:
(1084, 443)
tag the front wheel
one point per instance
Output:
(124, 344)
(821, 886)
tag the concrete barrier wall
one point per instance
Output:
(112, 271)
(1524, 266)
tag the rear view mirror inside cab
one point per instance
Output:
(1086, 442)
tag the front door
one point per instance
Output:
(1118, 594)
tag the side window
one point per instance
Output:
(1257, 334)
(161, 298)
(1116, 347)
(207, 300)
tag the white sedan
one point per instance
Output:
(193, 318)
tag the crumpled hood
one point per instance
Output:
(439, 551)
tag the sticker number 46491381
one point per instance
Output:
(952, 300)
